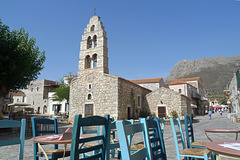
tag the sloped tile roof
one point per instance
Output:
(148, 80)
(184, 80)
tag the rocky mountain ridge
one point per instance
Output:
(215, 72)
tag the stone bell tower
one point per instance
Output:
(93, 50)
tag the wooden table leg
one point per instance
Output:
(64, 151)
(208, 137)
(45, 154)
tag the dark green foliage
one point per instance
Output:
(20, 59)
(174, 114)
(144, 113)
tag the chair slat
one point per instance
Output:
(10, 124)
(92, 157)
(91, 148)
(135, 128)
(95, 138)
(10, 142)
(139, 154)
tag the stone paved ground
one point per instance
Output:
(200, 123)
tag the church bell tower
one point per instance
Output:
(93, 51)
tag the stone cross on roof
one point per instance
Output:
(95, 11)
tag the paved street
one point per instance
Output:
(200, 123)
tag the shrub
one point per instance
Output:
(174, 114)
(144, 113)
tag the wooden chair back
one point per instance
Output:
(15, 124)
(77, 142)
(113, 144)
(125, 133)
(43, 127)
(189, 129)
(156, 138)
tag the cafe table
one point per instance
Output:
(222, 130)
(53, 139)
(228, 149)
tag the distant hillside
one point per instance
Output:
(215, 72)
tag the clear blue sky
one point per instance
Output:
(145, 38)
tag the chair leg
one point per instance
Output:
(213, 156)
(205, 156)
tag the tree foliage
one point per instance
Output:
(62, 92)
(20, 59)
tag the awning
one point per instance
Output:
(193, 105)
(19, 104)
(217, 106)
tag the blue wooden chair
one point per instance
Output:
(190, 134)
(43, 127)
(178, 135)
(15, 124)
(76, 145)
(156, 139)
(113, 142)
(125, 133)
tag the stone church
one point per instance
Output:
(95, 92)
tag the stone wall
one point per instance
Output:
(171, 99)
(128, 95)
(35, 95)
(103, 93)
(151, 86)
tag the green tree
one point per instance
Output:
(20, 60)
(62, 92)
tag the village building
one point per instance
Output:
(150, 83)
(37, 95)
(95, 92)
(163, 101)
(193, 89)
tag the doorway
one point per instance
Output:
(129, 112)
(88, 110)
(162, 111)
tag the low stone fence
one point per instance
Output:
(234, 117)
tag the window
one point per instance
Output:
(93, 28)
(37, 89)
(89, 86)
(139, 101)
(66, 107)
(89, 96)
(179, 90)
(95, 41)
(33, 102)
(18, 100)
(87, 62)
(95, 61)
(31, 89)
(89, 42)
(88, 109)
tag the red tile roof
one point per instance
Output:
(182, 81)
(16, 94)
(148, 80)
